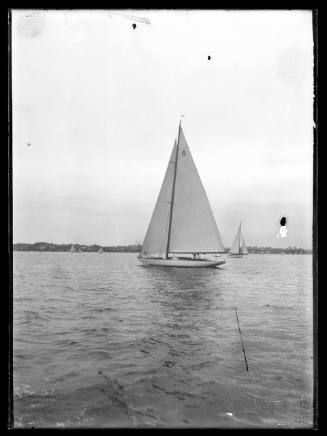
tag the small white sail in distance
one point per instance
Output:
(236, 246)
(182, 220)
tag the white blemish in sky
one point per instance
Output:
(101, 102)
(282, 232)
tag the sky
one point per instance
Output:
(96, 107)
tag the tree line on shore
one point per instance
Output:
(45, 246)
(136, 248)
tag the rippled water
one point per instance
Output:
(102, 341)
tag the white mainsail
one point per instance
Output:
(193, 227)
(236, 246)
(182, 221)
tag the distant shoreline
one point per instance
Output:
(46, 246)
(95, 248)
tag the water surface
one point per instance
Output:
(102, 341)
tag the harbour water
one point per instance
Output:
(102, 341)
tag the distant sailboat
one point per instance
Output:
(182, 224)
(100, 250)
(72, 249)
(238, 249)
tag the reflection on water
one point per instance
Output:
(101, 341)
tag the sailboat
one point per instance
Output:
(238, 249)
(72, 249)
(100, 250)
(182, 228)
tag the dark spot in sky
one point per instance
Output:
(283, 221)
(209, 57)
(28, 144)
(31, 25)
(134, 26)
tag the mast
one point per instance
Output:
(173, 193)
(239, 240)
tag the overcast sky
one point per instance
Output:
(96, 107)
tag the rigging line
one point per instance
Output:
(245, 359)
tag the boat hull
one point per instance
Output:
(236, 255)
(181, 262)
